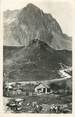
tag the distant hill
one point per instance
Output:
(22, 26)
(37, 61)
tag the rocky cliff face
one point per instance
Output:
(22, 26)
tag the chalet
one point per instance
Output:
(42, 88)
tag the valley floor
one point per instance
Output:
(50, 96)
(45, 103)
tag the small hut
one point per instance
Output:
(42, 88)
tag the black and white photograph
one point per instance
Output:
(37, 57)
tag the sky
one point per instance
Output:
(62, 11)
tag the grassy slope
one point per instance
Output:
(36, 62)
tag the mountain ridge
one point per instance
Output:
(22, 26)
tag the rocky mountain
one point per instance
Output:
(37, 61)
(22, 26)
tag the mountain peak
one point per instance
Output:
(30, 5)
(30, 23)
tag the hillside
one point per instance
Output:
(37, 61)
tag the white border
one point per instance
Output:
(72, 2)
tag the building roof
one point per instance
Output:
(42, 85)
